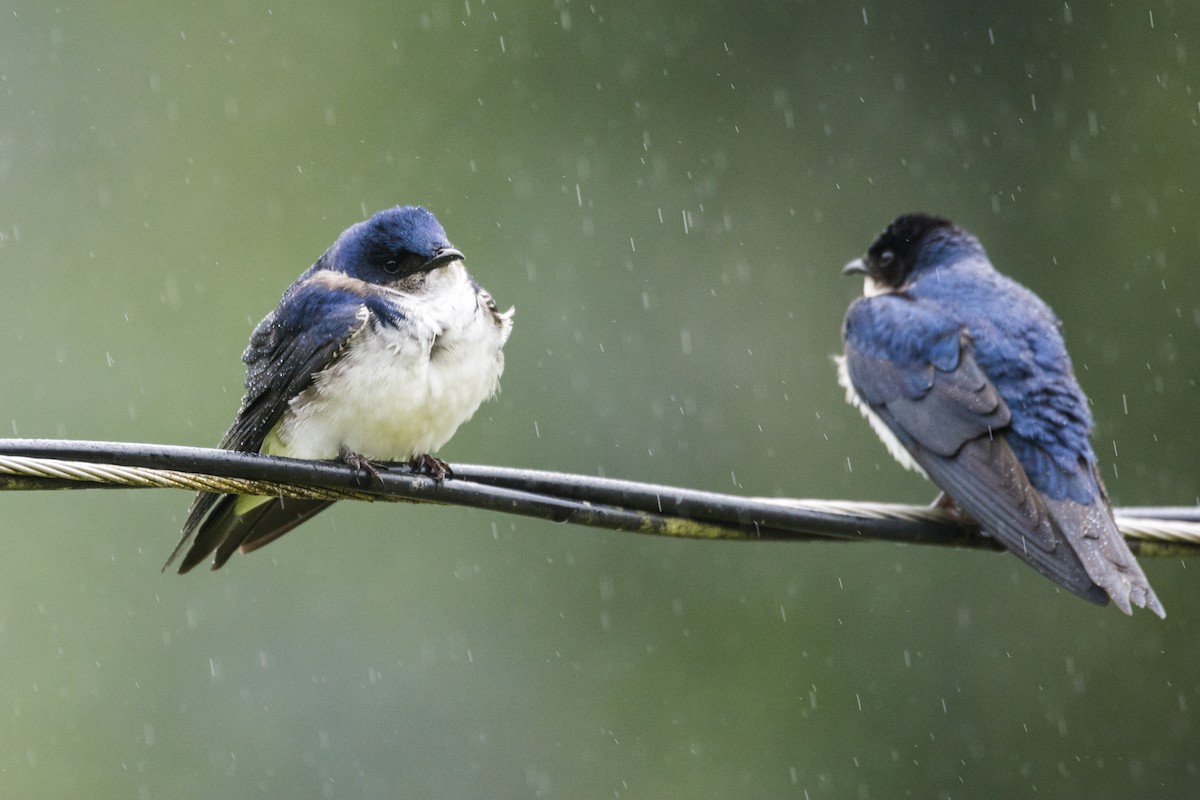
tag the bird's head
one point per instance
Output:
(396, 246)
(902, 249)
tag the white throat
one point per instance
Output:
(873, 289)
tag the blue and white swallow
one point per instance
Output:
(964, 375)
(378, 352)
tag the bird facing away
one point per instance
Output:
(964, 375)
(378, 352)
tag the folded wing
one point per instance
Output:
(915, 370)
(311, 328)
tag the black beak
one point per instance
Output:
(443, 255)
(855, 267)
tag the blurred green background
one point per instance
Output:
(666, 193)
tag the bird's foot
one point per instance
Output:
(947, 506)
(366, 471)
(432, 466)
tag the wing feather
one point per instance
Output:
(927, 389)
(314, 323)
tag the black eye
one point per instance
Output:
(886, 257)
(401, 263)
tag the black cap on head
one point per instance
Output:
(892, 256)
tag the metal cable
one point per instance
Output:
(560, 497)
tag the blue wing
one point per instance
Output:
(316, 320)
(305, 334)
(915, 368)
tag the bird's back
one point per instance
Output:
(1019, 346)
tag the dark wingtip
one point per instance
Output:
(1149, 601)
(184, 566)
(193, 558)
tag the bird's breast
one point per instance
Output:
(403, 386)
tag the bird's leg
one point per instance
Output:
(432, 466)
(366, 471)
(945, 503)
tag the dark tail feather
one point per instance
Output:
(223, 530)
(270, 521)
(1094, 536)
(201, 505)
(986, 480)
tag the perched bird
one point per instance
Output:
(378, 352)
(964, 375)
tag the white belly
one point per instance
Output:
(394, 393)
